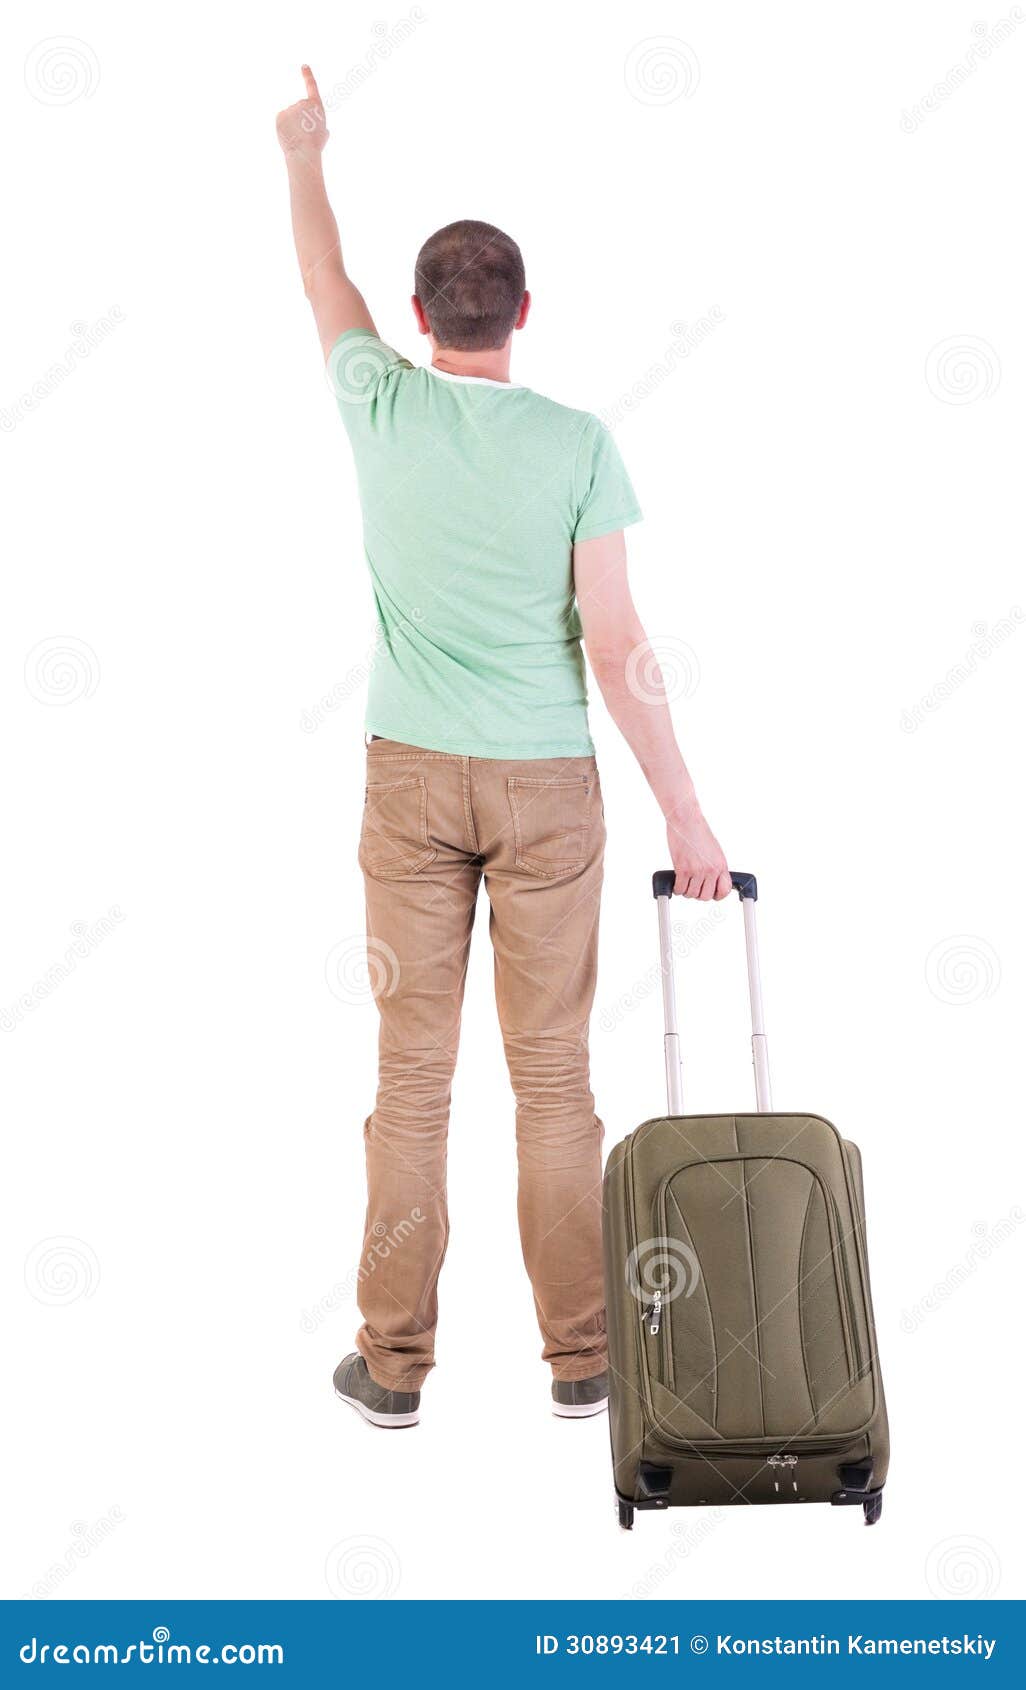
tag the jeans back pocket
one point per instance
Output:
(394, 837)
(551, 823)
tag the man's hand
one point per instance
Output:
(697, 858)
(302, 128)
(337, 304)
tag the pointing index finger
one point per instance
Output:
(312, 90)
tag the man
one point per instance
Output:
(493, 526)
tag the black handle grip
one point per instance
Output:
(745, 885)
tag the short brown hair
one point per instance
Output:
(470, 280)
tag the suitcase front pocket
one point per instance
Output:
(756, 1331)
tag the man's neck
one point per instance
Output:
(492, 364)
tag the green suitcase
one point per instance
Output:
(742, 1355)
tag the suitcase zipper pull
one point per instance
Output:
(790, 1463)
(655, 1313)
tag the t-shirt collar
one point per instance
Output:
(479, 381)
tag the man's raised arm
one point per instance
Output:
(337, 304)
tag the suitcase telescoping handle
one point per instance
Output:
(747, 890)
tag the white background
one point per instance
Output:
(831, 511)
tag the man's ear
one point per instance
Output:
(423, 325)
(525, 306)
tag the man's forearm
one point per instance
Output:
(647, 727)
(644, 721)
(314, 228)
(615, 640)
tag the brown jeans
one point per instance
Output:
(433, 825)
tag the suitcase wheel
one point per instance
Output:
(872, 1508)
(625, 1511)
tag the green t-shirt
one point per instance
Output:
(473, 493)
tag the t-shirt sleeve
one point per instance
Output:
(359, 367)
(606, 499)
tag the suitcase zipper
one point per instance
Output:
(789, 1464)
(858, 1365)
(654, 1314)
(707, 1450)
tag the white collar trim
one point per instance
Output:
(479, 381)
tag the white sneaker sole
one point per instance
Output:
(373, 1419)
(579, 1410)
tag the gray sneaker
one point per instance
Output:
(380, 1407)
(575, 1398)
